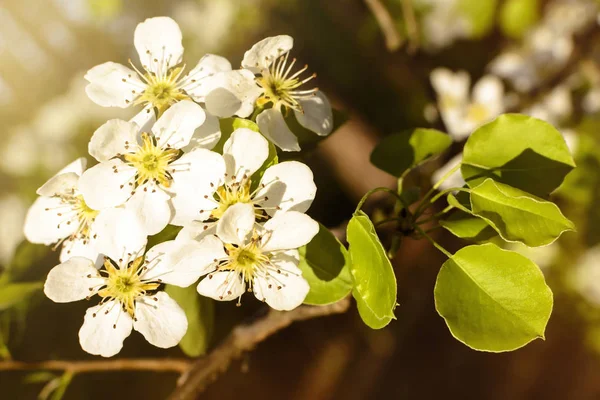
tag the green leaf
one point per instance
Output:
(13, 293)
(492, 299)
(271, 160)
(517, 216)
(398, 153)
(325, 265)
(466, 226)
(169, 233)
(461, 201)
(374, 279)
(480, 14)
(520, 151)
(200, 313)
(518, 16)
(228, 125)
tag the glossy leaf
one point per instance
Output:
(517, 216)
(520, 151)
(466, 226)
(13, 293)
(325, 265)
(398, 153)
(374, 278)
(493, 299)
(200, 314)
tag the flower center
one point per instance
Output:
(248, 261)
(125, 285)
(230, 194)
(162, 91)
(281, 88)
(152, 161)
(85, 216)
(478, 112)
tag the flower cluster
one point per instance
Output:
(242, 213)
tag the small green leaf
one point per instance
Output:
(228, 125)
(520, 151)
(200, 314)
(518, 16)
(466, 226)
(374, 278)
(493, 299)
(169, 233)
(271, 160)
(325, 265)
(517, 216)
(13, 293)
(461, 201)
(398, 153)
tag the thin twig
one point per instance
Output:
(393, 40)
(244, 338)
(78, 367)
(412, 29)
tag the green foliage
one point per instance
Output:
(200, 313)
(518, 16)
(12, 293)
(466, 226)
(26, 255)
(480, 14)
(169, 233)
(228, 125)
(518, 216)
(398, 153)
(520, 151)
(325, 265)
(374, 279)
(493, 299)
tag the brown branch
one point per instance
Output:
(78, 367)
(244, 338)
(393, 40)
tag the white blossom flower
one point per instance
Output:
(129, 287)
(148, 170)
(443, 23)
(61, 216)
(161, 83)
(261, 258)
(266, 80)
(463, 114)
(287, 186)
(586, 275)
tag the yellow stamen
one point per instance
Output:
(152, 161)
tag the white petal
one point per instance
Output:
(489, 92)
(152, 207)
(43, 224)
(206, 136)
(236, 223)
(273, 126)
(81, 248)
(198, 174)
(77, 166)
(145, 118)
(450, 85)
(285, 288)
(181, 263)
(160, 319)
(317, 115)
(263, 53)
(222, 285)
(102, 187)
(114, 138)
(59, 185)
(176, 126)
(158, 43)
(288, 185)
(231, 93)
(104, 329)
(113, 85)
(119, 234)
(244, 152)
(72, 280)
(197, 230)
(288, 230)
(194, 82)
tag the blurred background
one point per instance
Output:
(374, 59)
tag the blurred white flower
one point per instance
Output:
(285, 186)
(591, 100)
(12, 215)
(461, 113)
(263, 258)
(158, 43)
(236, 93)
(128, 286)
(586, 275)
(443, 23)
(543, 256)
(149, 171)
(221, 15)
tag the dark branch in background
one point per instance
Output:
(79, 367)
(244, 338)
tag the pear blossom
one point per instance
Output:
(161, 82)
(443, 23)
(62, 216)
(461, 113)
(267, 81)
(129, 287)
(148, 171)
(283, 187)
(259, 258)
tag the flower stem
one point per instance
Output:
(379, 189)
